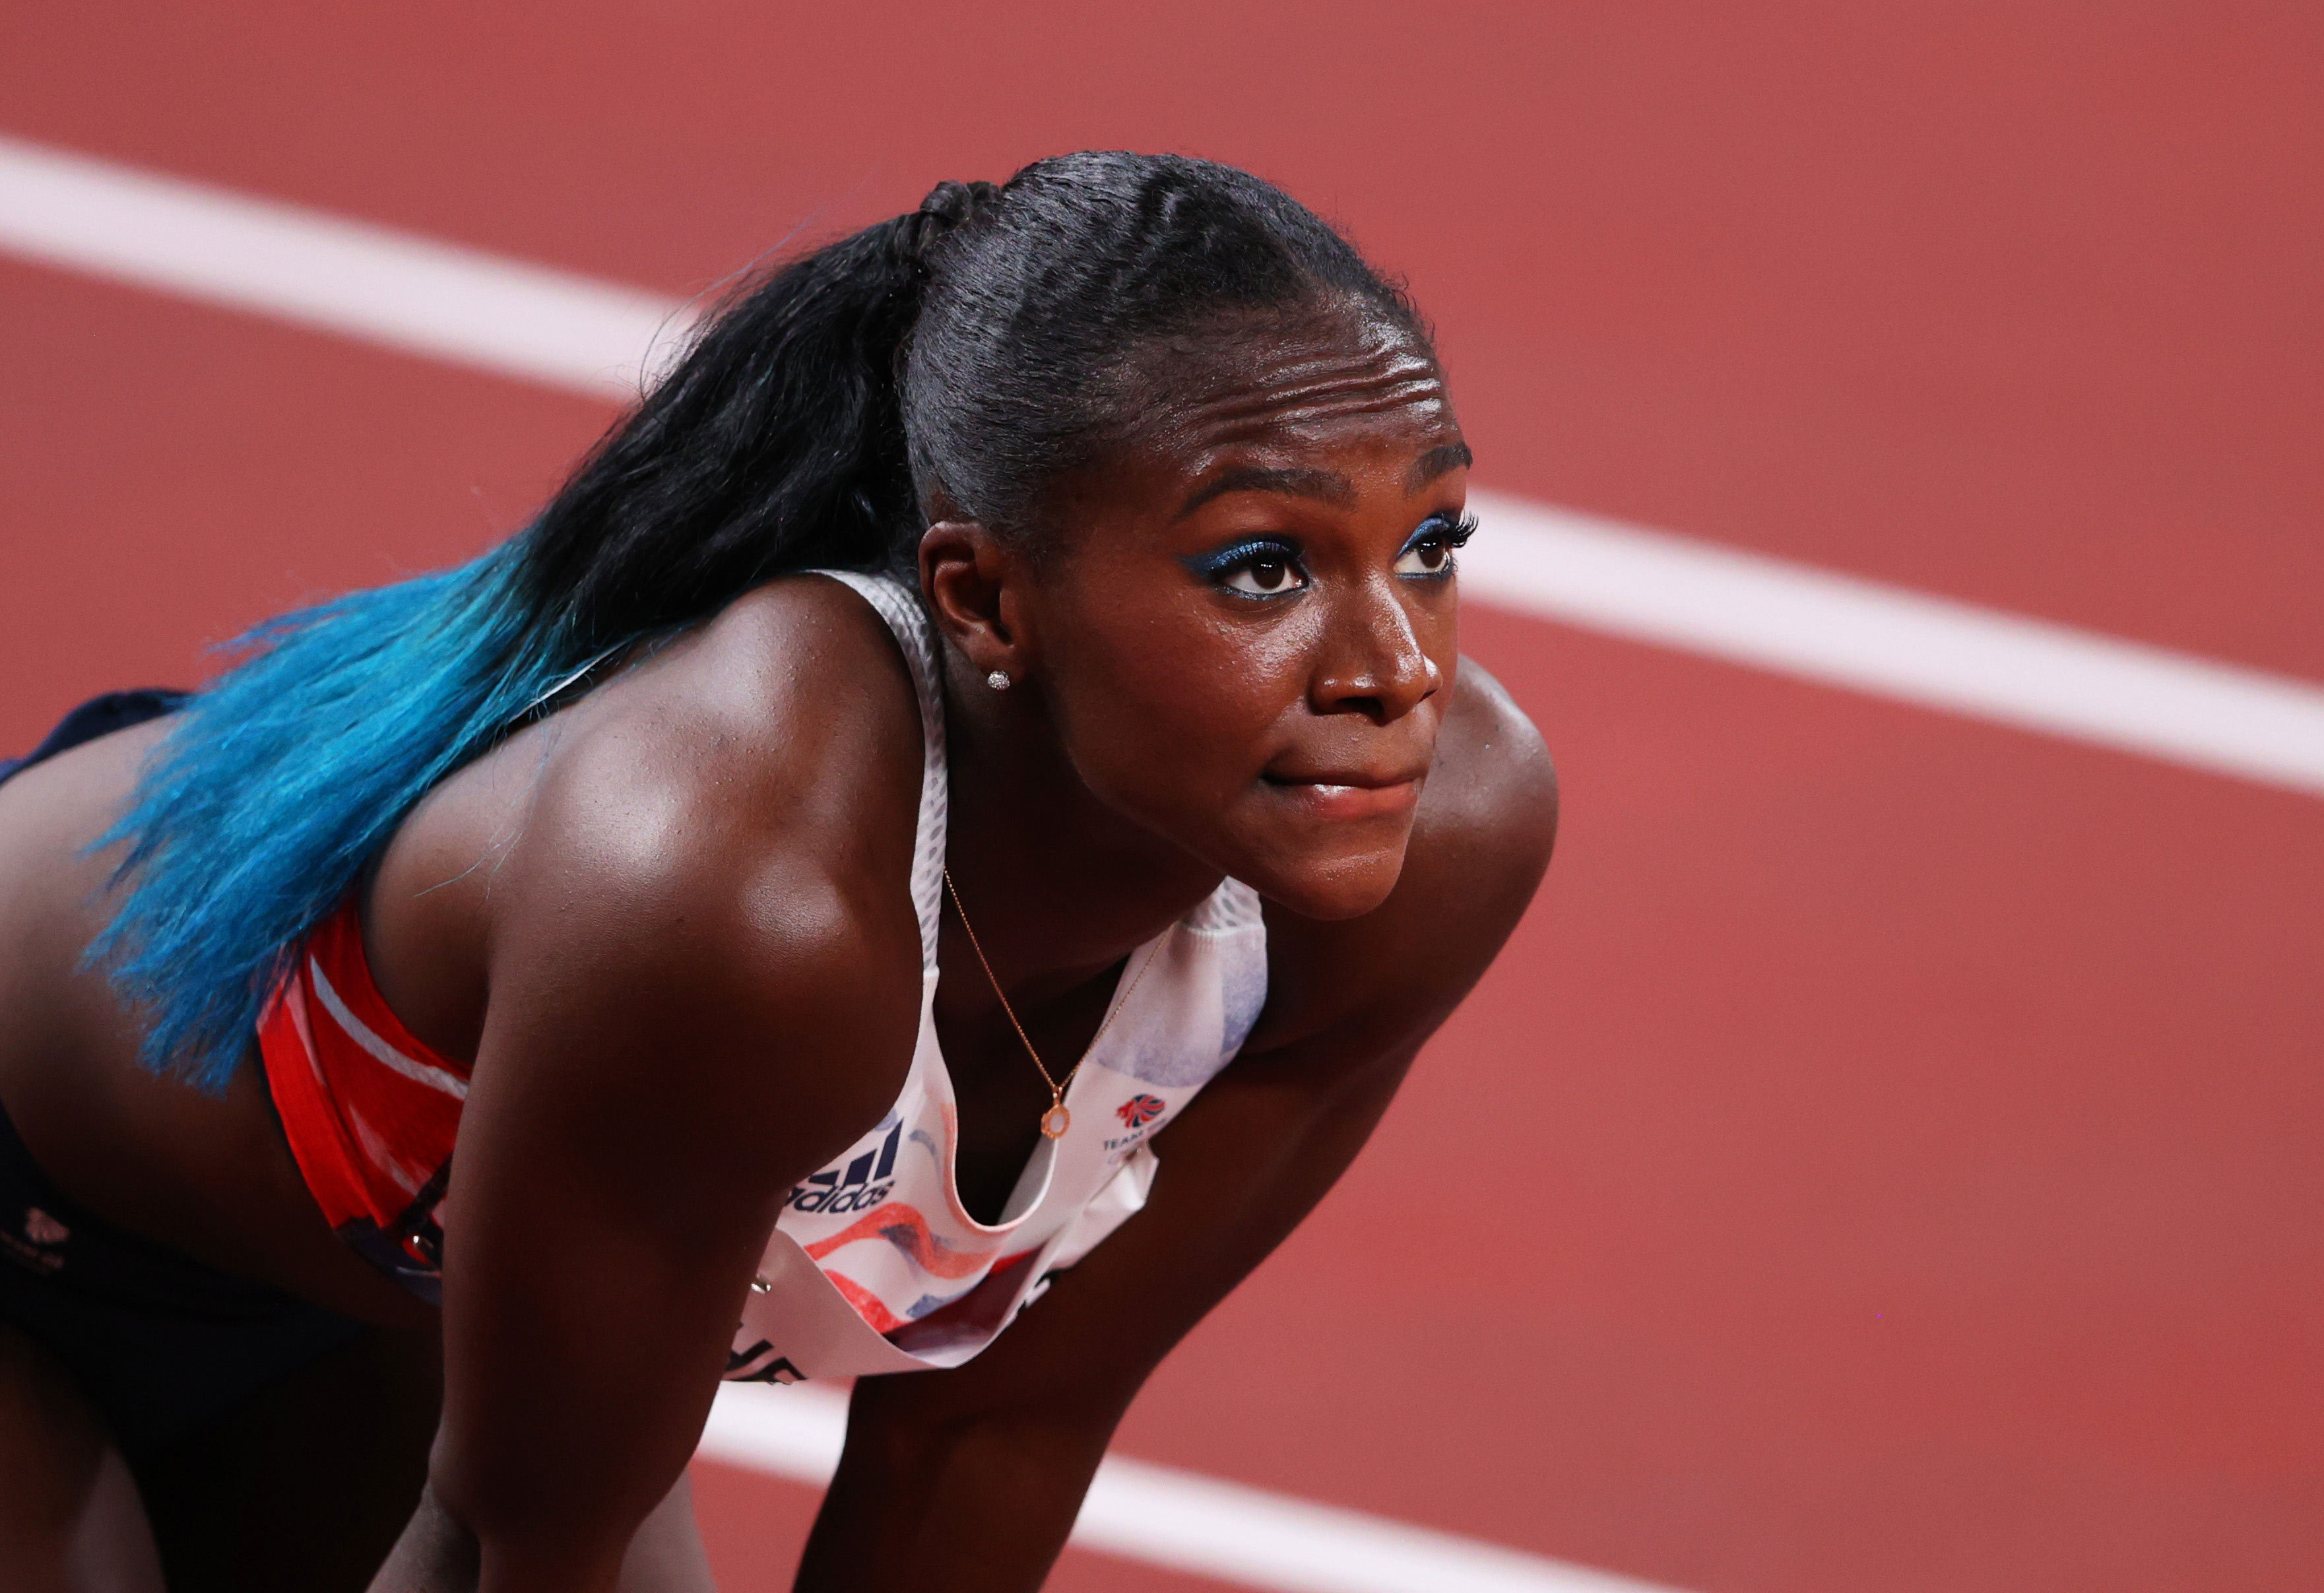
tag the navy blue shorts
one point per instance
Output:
(161, 1344)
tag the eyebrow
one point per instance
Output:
(1329, 485)
(1437, 461)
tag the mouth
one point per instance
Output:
(1348, 794)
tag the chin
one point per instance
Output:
(1326, 888)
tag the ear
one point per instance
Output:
(972, 586)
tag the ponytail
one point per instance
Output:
(776, 444)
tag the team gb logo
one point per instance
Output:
(1139, 1111)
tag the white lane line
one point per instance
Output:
(1844, 631)
(1179, 1519)
(567, 331)
(372, 282)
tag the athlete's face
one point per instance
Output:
(1247, 641)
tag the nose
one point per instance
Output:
(1371, 661)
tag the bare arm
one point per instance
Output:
(622, 1156)
(703, 974)
(971, 1478)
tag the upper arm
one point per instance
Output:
(643, 1098)
(704, 981)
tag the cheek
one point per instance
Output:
(1170, 714)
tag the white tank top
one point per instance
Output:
(874, 1266)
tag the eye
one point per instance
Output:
(1431, 556)
(1264, 575)
(1263, 566)
(1430, 551)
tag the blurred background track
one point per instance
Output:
(1886, 1156)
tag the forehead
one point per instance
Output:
(1349, 377)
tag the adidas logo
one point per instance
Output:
(759, 1364)
(861, 1186)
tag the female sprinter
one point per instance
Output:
(955, 819)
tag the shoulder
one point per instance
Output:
(1492, 796)
(710, 848)
(786, 729)
(1481, 844)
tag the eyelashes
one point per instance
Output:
(1453, 531)
(1215, 564)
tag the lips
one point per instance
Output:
(1348, 794)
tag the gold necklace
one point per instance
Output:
(1058, 1118)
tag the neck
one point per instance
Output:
(1061, 886)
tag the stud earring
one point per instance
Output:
(999, 680)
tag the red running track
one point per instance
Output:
(1887, 1156)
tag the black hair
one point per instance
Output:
(965, 354)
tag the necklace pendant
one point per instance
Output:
(1056, 1121)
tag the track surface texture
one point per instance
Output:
(1886, 1156)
